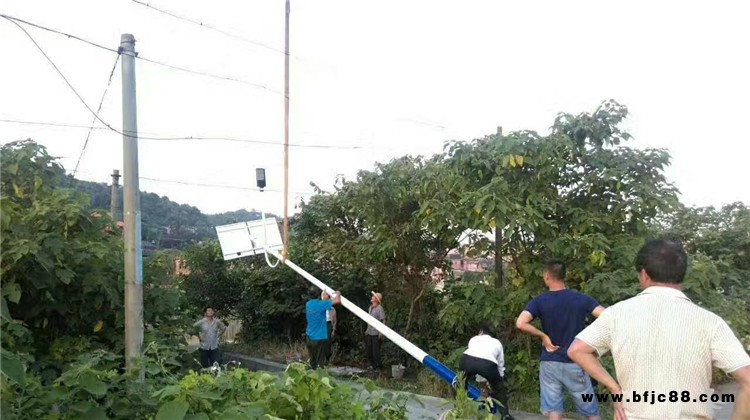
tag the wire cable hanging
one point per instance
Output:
(210, 27)
(98, 110)
(187, 138)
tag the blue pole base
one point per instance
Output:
(449, 376)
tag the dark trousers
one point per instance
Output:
(372, 350)
(317, 351)
(329, 342)
(208, 357)
(472, 366)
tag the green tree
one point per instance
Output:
(61, 267)
(576, 193)
(372, 227)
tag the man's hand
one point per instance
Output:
(618, 408)
(548, 344)
(585, 356)
(742, 405)
(380, 336)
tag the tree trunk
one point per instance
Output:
(498, 255)
(413, 305)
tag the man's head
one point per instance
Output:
(313, 293)
(554, 272)
(208, 312)
(484, 329)
(661, 262)
(376, 299)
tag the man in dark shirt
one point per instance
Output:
(563, 313)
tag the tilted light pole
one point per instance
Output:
(239, 240)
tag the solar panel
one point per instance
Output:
(239, 240)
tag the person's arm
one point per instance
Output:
(501, 360)
(524, 324)
(222, 328)
(597, 311)
(728, 354)
(200, 329)
(742, 405)
(337, 298)
(585, 356)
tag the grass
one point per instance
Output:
(275, 351)
(419, 381)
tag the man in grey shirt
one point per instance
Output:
(210, 331)
(372, 336)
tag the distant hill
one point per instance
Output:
(235, 217)
(166, 224)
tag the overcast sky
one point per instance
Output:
(393, 77)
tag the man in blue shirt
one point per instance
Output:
(317, 328)
(563, 313)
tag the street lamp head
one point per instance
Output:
(260, 178)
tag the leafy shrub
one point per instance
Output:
(96, 387)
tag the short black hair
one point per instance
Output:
(664, 261)
(313, 292)
(485, 328)
(207, 308)
(555, 268)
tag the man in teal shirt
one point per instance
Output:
(317, 328)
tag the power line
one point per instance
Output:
(207, 26)
(188, 138)
(97, 117)
(16, 20)
(214, 76)
(233, 187)
(104, 95)
(174, 67)
(206, 185)
(157, 62)
(51, 124)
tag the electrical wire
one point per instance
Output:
(75, 92)
(50, 124)
(183, 69)
(234, 187)
(210, 27)
(16, 20)
(214, 76)
(138, 56)
(185, 138)
(101, 102)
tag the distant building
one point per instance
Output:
(460, 265)
(180, 267)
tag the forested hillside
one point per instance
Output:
(166, 224)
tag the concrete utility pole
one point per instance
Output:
(285, 253)
(132, 209)
(114, 202)
(499, 238)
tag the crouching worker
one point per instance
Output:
(317, 328)
(485, 357)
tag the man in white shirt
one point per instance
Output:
(484, 357)
(664, 346)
